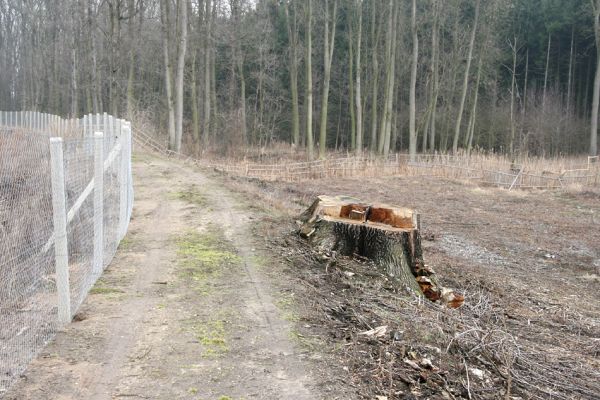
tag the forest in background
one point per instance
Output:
(507, 76)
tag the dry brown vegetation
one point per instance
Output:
(527, 261)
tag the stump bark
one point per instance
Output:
(388, 235)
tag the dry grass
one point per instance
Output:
(527, 262)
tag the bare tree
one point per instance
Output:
(412, 146)
(465, 87)
(309, 84)
(596, 99)
(327, 58)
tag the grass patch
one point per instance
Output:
(202, 257)
(192, 196)
(212, 335)
(105, 290)
(126, 243)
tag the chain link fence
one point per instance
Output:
(66, 199)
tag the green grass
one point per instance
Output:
(212, 335)
(203, 257)
(192, 196)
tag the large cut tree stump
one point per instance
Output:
(388, 235)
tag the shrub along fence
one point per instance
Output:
(66, 199)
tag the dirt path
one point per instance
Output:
(185, 311)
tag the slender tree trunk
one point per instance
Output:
(465, 81)
(388, 76)
(194, 96)
(309, 84)
(473, 117)
(293, 43)
(132, 51)
(412, 144)
(375, 30)
(327, 58)
(435, 74)
(511, 145)
(180, 70)
(596, 98)
(524, 107)
(213, 73)
(359, 130)
(570, 80)
(207, 72)
(546, 74)
(351, 87)
(166, 23)
(392, 85)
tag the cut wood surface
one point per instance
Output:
(386, 234)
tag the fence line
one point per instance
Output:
(66, 198)
(484, 170)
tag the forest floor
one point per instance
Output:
(213, 295)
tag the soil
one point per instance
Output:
(184, 311)
(528, 263)
(213, 295)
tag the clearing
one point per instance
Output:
(214, 296)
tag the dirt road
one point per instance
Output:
(185, 310)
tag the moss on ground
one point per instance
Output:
(212, 335)
(203, 257)
(191, 195)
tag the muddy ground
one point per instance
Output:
(212, 295)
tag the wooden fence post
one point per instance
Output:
(61, 253)
(98, 203)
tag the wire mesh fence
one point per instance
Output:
(491, 170)
(66, 198)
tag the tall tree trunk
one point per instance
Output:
(546, 73)
(412, 144)
(596, 98)
(511, 144)
(309, 84)
(359, 130)
(375, 32)
(473, 117)
(388, 76)
(465, 81)
(292, 29)
(194, 96)
(524, 106)
(570, 79)
(166, 35)
(392, 85)
(327, 58)
(207, 72)
(351, 87)
(183, 7)
(435, 75)
(132, 52)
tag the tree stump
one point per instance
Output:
(388, 235)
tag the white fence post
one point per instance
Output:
(61, 253)
(128, 134)
(98, 203)
(123, 178)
